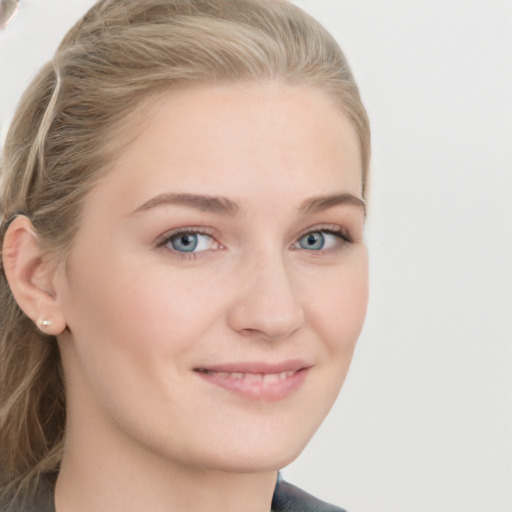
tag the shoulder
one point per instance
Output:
(289, 498)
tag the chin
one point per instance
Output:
(248, 456)
(253, 463)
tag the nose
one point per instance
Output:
(267, 305)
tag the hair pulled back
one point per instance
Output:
(63, 139)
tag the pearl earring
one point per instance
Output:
(43, 323)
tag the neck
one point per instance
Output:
(111, 473)
(186, 493)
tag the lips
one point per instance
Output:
(259, 381)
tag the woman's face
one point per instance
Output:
(218, 281)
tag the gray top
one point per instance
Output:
(289, 498)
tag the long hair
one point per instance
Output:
(68, 129)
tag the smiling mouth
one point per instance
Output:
(269, 385)
(263, 378)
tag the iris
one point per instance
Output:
(312, 241)
(185, 242)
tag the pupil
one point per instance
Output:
(312, 239)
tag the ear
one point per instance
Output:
(31, 275)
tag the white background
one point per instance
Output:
(424, 422)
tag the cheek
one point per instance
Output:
(133, 330)
(146, 316)
(340, 307)
(137, 331)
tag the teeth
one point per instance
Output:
(254, 377)
(271, 378)
(267, 378)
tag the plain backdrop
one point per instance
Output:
(424, 422)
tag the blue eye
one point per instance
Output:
(190, 242)
(184, 242)
(322, 240)
(312, 241)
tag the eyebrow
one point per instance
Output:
(320, 203)
(224, 206)
(212, 204)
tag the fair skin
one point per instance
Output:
(206, 338)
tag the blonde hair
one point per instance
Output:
(120, 53)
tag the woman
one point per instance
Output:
(184, 270)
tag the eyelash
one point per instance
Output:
(342, 234)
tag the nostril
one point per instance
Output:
(273, 328)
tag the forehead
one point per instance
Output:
(235, 139)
